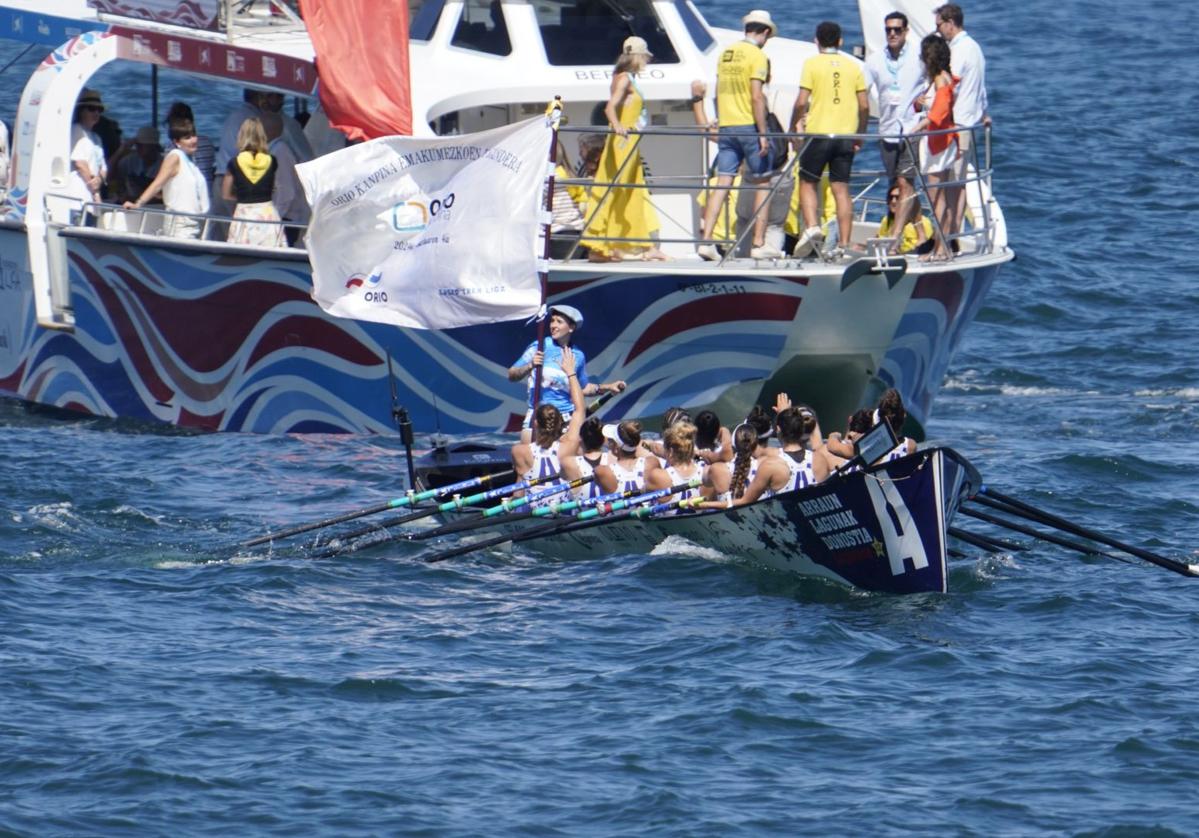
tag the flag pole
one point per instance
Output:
(554, 115)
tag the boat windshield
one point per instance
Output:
(577, 32)
(695, 26)
(482, 28)
(423, 16)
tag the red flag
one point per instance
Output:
(364, 91)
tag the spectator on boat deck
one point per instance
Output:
(939, 153)
(135, 165)
(555, 384)
(541, 457)
(916, 236)
(4, 161)
(682, 465)
(184, 189)
(713, 442)
(293, 133)
(566, 215)
(629, 465)
(88, 167)
(896, 75)
(970, 106)
(249, 183)
(321, 136)
(205, 155)
(624, 211)
(741, 74)
(250, 108)
(832, 100)
(289, 197)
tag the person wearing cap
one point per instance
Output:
(741, 73)
(88, 168)
(555, 383)
(624, 210)
(135, 165)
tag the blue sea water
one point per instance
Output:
(152, 684)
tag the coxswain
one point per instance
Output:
(564, 322)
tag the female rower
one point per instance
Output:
(581, 455)
(630, 468)
(672, 416)
(713, 442)
(892, 411)
(840, 449)
(682, 466)
(760, 421)
(540, 458)
(796, 467)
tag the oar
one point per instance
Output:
(589, 517)
(600, 402)
(1085, 549)
(994, 499)
(474, 522)
(395, 503)
(983, 542)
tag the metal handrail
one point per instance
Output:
(983, 229)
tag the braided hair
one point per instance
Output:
(745, 442)
(549, 425)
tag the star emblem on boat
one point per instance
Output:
(880, 549)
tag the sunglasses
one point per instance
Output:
(894, 197)
(894, 30)
(92, 108)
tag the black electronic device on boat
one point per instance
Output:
(875, 443)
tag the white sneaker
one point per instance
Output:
(766, 251)
(708, 252)
(809, 242)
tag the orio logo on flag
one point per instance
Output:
(416, 214)
(368, 283)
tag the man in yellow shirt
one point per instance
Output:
(741, 71)
(832, 100)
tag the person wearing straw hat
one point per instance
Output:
(135, 165)
(741, 73)
(88, 167)
(624, 221)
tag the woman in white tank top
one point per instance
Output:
(682, 466)
(630, 465)
(183, 187)
(591, 444)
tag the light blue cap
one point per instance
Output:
(570, 313)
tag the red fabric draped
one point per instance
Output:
(362, 61)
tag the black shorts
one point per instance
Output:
(821, 152)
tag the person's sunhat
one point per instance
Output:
(763, 17)
(635, 45)
(612, 432)
(90, 98)
(570, 313)
(146, 135)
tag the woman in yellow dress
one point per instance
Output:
(624, 213)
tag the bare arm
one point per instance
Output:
(569, 444)
(799, 112)
(521, 371)
(227, 189)
(758, 98)
(169, 168)
(620, 87)
(863, 117)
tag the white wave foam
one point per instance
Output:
(60, 516)
(1180, 393)
(676, 545)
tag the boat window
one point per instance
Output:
(423, 16)
(695, 27)
(591, 31)
(482, 28)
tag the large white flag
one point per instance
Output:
(430, 233)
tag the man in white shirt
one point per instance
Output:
(896, 78)
(970, 97)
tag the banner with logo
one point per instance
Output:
(194, 14)
(430, 233)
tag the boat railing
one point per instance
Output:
(979, 237)
(239, 18)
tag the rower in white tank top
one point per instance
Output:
(545, 463)
(587, 469)
(677, 476)
(629, 479)
(801, 470)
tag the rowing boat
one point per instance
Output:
(882, 530)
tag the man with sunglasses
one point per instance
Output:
(896, 77)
